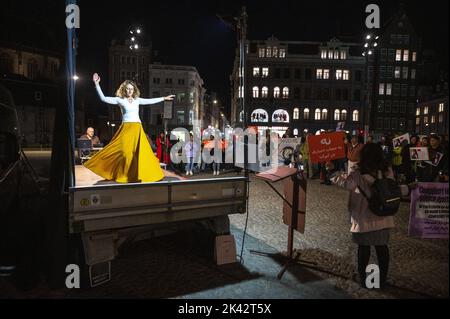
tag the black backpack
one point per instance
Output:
(386, 197)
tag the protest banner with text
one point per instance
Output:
(429, 211)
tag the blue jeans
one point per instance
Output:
(189, 164)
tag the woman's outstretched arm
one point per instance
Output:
(103, 98)
(156, 100)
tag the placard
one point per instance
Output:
(397, 142)
(326, 147)
(429, 211)
(419, 154)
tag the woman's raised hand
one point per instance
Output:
(96, 78)
(169, 98)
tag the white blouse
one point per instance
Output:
(130, 111)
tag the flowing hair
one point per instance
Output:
(121, 91)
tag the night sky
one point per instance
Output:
(190, 33)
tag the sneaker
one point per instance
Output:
(217, 173)
(192, 174)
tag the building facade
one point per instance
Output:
(189, 108)
(30, 75)
(392, 77)
(432, 116)
(300, 85)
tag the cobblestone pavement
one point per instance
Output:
(164, 268)
(419, 267)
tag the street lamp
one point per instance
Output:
(134, 46)
(370, 43)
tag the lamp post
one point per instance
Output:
(135, 32)
(370, 44)
(242, 27)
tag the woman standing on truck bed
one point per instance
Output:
(128, 158)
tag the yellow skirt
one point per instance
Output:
(128, 158)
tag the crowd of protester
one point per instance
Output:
(406, 170)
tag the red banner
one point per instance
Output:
(326, 147)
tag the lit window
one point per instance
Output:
(417, 120)
(275, 52)
(338, 74)
(441, 107)
(241, 92)
(265, 72)
(337, 115)
(346, 75)
(324, 114)
(381, 89)
(319, 74)
(282, 53)
(269, 52)
(317, 114)
(441, 118)
(306, 114)
(276, 92)
(418, 111)
(397, 72)
(323, 54)
(433, 119)
(326, 74)
(343, 55)
(343, 115)
(398, 55)
(285, 93)
(280, 116)
(425, 110)
(256, 72)
(414, 56)
(265, 92)
(330, 54)
(336, 55)
(261, 52)
(425, 120)
(388, 88)
(405, 72)
(355, 116)
(405, 55)
(260, 115)
(413, 74)
(296, 114)
(255, 92)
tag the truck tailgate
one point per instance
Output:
(106, 207)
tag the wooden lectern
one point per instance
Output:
(294, 209)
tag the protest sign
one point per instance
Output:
(429, 211)
(286, 149)
(419, 154)
(397, 142)
(326, 147)
(340, 126)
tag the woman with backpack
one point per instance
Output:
(367, 228)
